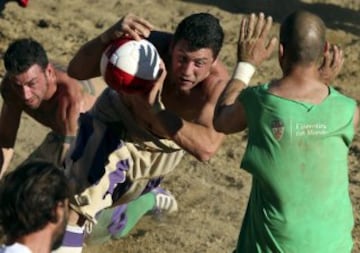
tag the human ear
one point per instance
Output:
(281, 54)
(50, 72)
(214, 62)
(60, 211)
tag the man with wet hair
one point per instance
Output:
(43, 90)
(34, 208)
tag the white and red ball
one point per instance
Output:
(129, 65)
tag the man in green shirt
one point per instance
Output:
(300, 130)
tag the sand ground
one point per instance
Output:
(212, 195)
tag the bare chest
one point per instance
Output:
(46, 116)
(188, 106)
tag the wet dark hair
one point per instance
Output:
(29, 196)
(200, 30)
(22, 54)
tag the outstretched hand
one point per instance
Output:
(332, 63)
(129, 25)
(254, 45)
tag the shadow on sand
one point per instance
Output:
(334, 16)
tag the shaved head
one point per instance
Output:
(302, 36)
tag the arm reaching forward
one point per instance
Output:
(253, 48)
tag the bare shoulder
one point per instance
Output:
(63, 78)
(73, 92)
(68, 87)
(217, 80)
(91, 87)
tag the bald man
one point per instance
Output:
(300, 130)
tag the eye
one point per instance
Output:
(200, 63)
(17, 86)
(31, 84)
(182, 59)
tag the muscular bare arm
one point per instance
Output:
(229, 108)
(253, 47)
(196, 135)
(199, 137)
(89, 54)
(70, 104)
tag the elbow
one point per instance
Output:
(204, 157)
(208, 149)
(206, 153)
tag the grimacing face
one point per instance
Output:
(189, 68)
(31, 86)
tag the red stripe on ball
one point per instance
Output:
(120, 80)
(116, 44)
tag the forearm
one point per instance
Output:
(6, 155)
(86, 62)
(231, 92)
(200, 141)
(227, 98)
(228, 108)
(241, 77)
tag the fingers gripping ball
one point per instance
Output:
(130, 66)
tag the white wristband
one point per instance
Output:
(244, 72)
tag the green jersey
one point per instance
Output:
(297, 154)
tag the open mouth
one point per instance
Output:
(185, 81)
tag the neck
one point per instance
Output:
(302, 75)
(52, 86)
(37, 242)
(303, 84)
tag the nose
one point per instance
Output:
(26, 92)
(187, 68)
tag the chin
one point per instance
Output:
(58, 236)
(58, 242)
(186, 86)
(33, 106)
